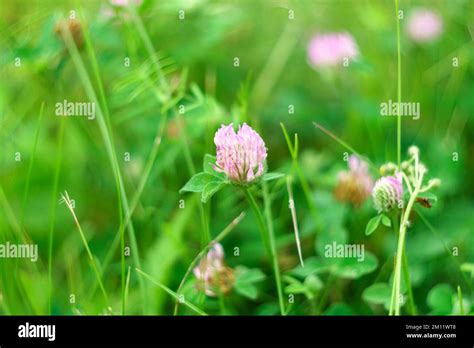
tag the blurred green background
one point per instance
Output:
(195, 56)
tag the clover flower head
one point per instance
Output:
(424, 25)
(355, 185)
(241, 156)
(212, 274)
(330, 49)
(388, 193)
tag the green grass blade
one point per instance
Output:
(52, 220)
(172, 293)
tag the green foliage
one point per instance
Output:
(198, 182)
(272, 176)
(346, 267)
(352, 268)
(378, 293)
(468, 267)
(208, 182)
(310, 287)
(440, 299)
(247, 280)
(373, 224)
(136, 166)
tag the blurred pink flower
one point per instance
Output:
(424, 25)
(241, 156)
(331, 49)
(124, 3)
(355, 185)
(213, 275)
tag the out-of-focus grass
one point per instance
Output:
(188, 65)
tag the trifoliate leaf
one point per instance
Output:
(210, 189)
(245, 281)
(247, 290)
(197, 182)
(246, 275)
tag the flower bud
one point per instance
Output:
(355, 185)
(213, 276)
(435, 183)
(422, 169)
(387, 193)
(388, 168)
(405, 165)
(413, 151)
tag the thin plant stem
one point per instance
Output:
(135, 199)
(53, 214)
(260, 220)
(324, 296)
(406, 277)
(268, 239)
(271, 233)
(401, 246)
(293, 148)
(30, 166)
(67, 200)
(345, 145)
(461, 306)
(115, 166)
(172, 293)
(396, 228)
(204, 212)
(127, 287)
(399, 89)
(401, 243)
(104, 127)
(293, 217)
(150, 49)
